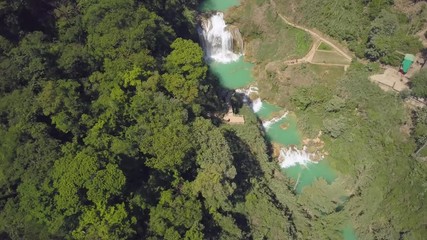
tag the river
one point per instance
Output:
(281, 127)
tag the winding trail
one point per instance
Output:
(308, 58)
(420, 34)
(317, 36)
(317, 41)
(379, 78)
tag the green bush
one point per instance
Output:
(334, 126)
(335, 104)
(419, 84)
(393, 59)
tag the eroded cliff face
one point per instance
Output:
(238, 46)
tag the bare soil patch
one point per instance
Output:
(390, 80)
(409, 7)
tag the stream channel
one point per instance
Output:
(237, 74)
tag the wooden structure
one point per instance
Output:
(232, 118)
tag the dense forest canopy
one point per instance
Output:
(109, 130)
(105, 133)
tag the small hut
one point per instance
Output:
(407, 62)
(232, 118)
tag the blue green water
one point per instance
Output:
(233, 75)
(217, 5)
(310, 173)
(268, 110)
(291, 136)
(348, 233)
(284, 132)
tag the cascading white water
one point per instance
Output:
(217, 40)
(267, 124)
(248, 91)
(290, 157)
(255, 104)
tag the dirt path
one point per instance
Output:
(308, 57)
(317, 40)
(423, 39)
(317, 36)
(387, 80)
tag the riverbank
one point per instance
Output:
(281, 130)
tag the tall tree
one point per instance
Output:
(185, 70)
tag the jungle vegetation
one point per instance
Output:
(108, 131)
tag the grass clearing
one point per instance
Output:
(325, 47)
(281, 82)
(329, 74)
(331, 57)
(289, 43)
(267, 37)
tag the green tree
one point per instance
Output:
(380, 41)
(185, 70)
(215, 176)
(69, 23)
(176, 216)
(128, 29)
(419, 84)
(29, 62)
(160, 131)
(106, 183)
(216, 171)
(274, 225)
(60, 101)
(70, 176)
(105, 222)
(335, 126)
(335, 104)
(90, 135)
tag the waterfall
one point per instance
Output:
(218, 40)
(255, 104)
(267, 124)
(290, 157)
(248, 91)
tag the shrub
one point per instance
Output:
(419, 84)
(334, 126)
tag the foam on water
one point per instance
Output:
(267, 124)
(217, 40)
(255, 104)
(291, 156)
